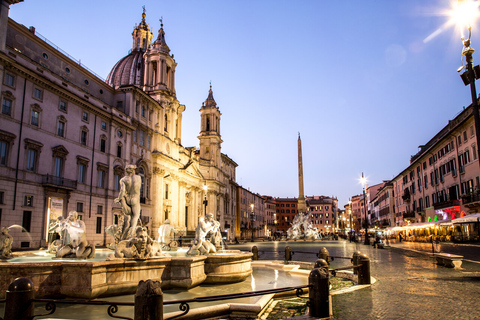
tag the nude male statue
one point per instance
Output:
(129, 198)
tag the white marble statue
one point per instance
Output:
(140, 247)
(200, 244)
(74, 242)
(302, 228)
(164, 234)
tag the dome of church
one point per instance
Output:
(128, 70)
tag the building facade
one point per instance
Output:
(67, 136)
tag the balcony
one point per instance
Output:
(471, 200)
(409, 215)
(446, 204)
(52, 181)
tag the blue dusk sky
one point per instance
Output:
(364, 82)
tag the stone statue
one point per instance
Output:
(164, 233)
(129, 198)
(139, 247)
(74, 240)
(57, 227)
(6, 241)
(200, 244)
(302, 228)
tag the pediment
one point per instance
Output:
(192, 169)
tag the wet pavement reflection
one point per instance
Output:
(409, 285)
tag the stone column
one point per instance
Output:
(181, 204)
(157, 199)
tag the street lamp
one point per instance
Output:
(252, 220)
(364, 180)
(205, 201)
(466, 11)
(350, 213)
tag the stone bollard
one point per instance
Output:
(355, 260)
(255, 253)
(288, 254)
(149, 301)
(364, 270)
(323, 254)
(319, 293)
(18, 305)
(321, 263)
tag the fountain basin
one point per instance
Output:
(228, 267)
(92, 279)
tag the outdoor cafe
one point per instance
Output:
(462, 229)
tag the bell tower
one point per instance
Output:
(159, 66)
(210, 138)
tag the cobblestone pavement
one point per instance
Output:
(409, 284)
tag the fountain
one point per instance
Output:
(137, 257)
(302, 228)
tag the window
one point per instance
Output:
(459, 140)
(166, 191)
(117, 182)
(4, 146)
(467, 157)
(34, 118)
(143, 111)
(103, 144)
(83, 137)
(101, 178)
(58, 169)
(7, 106)
(465, 136)
(472, 131)
(26, 221)
(119, 151)
(98, 228)
(99, 209)
(148, 142)
(474, 151)
(32, 160)
(2, 194)
(135, 136)
(85, 116)
(427, 201)
(79, 206)
(82, 168)
(104, 125)
(9, 80)
(28, 201)
(120, 105)
(61, 128)
(142, 137)
(38, 93)
(62, 106)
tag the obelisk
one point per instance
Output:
(302, 208)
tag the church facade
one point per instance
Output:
(66, 136)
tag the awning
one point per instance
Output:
(475, 217)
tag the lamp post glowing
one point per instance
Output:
(350, 213)
(465, 13)
(252, 220)
(205, 201)
(363, 180)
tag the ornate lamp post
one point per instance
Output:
(205, 201)
(252, 220)
(466, 11)
(367, 241)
